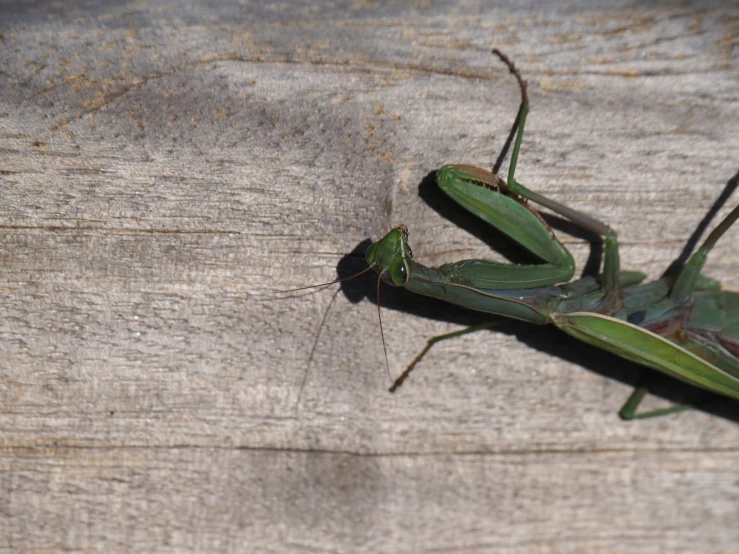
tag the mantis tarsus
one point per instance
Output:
(683, 325)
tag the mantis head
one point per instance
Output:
(391, 257)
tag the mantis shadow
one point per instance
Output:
(547, 339)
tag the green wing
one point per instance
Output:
(647, 348)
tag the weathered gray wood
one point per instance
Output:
(165, 169)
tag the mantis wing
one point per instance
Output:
(647, 348)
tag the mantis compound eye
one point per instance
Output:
(371, 255)
(400, 271)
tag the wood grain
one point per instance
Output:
(165, 168)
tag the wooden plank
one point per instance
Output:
(166, 169)
(243, 500)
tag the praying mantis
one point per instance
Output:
(683, 325)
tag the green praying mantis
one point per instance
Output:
(683, 326)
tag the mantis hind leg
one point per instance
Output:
(628, 411)
(688, 280)
(434, 340)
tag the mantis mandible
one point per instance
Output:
(682, 325)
